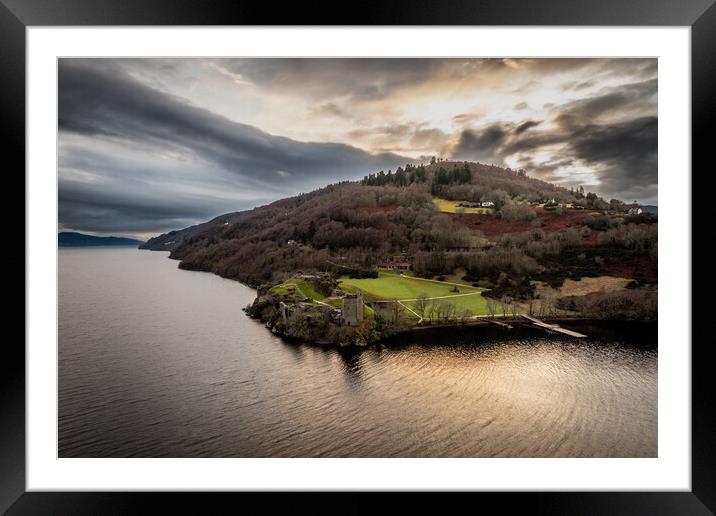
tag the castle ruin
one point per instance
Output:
(352, 309)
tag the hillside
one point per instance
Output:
(71, 239)
(173, 239)
(485, 180)
(533, 232)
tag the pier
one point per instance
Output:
(554, 327)
(500, 323)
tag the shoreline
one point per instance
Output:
(638, 333)
(482, 322)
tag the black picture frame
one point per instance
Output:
(17, 15)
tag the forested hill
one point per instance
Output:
(71, 239)
(483, 181)
(426, 214)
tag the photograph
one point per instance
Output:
(417, 249)
(351, 257)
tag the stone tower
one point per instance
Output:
(352, 309)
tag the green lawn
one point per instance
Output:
(390, 285)
(447, 206)
(303, 286)
(334, 302)
(475, 305)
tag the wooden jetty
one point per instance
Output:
(554, 327)
(500, 323)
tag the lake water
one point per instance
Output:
(159, 362)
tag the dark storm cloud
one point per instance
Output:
(118, 206)
(625, 149)
(628, 150)
(622, 152)
(637, 97)
(135, 158)
(480, 146)
(527, 125)
(99, 103)
(501, 140)
(102, 102)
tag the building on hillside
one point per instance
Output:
(551, 204)
(487, 204)
(352, 309)
(397, 263)
(634, 209)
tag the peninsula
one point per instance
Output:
(438, 244)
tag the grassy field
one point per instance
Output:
(393, 286)
(299, 285)
(390, 285)
(303, 287)
(446, 206)
(473, 305)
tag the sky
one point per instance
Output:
(150, 145)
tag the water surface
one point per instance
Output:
(159, 362)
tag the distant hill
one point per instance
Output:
(360, 224)
(173, 239)
(71, 239)
(649, 208)
(380, 188)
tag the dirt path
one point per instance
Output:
(420, 319)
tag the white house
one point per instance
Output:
(487, 204)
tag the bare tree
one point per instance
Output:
(421, 304)
(547, 304)
(432, 311)
(491, 307)
(439, 308)
(553, 305)
(506, 300)
(445, 310)
(397, 312)
(450, 310)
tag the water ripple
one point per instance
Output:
(170, 367)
